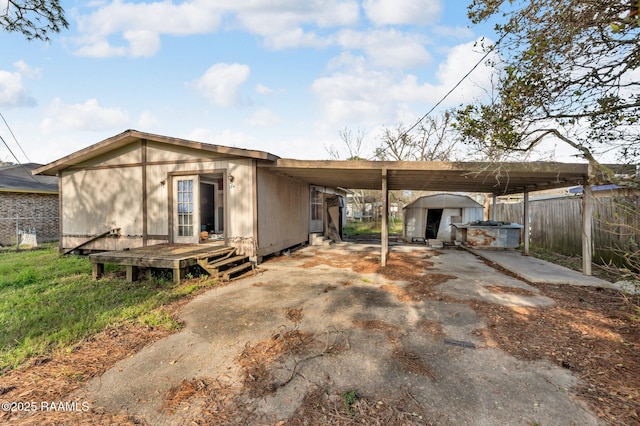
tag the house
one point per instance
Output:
(27, 204)
(431, 216)
(139, 189)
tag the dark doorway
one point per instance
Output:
(207, 207)
(434, 216)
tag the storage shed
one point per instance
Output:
(431, 216)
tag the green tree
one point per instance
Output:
(35, 19)
(569, 70)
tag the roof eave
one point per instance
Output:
(130, 136)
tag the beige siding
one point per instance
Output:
(129, 154)
(283, 206)
(159, 152)
(95, 201)
(239, 195)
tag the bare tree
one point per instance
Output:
(431, 140)
(351, 145)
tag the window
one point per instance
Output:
(185, 208)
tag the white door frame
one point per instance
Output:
(186, 209)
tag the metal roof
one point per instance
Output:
(18, 178)
(444, 201)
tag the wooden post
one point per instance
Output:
(587, 222)
(177, 275)
(98, 270)
(385, 220)
(493, 207)
(132, 273)
(527, 226)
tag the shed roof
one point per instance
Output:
(444, 201)
(129, 136)
(18, 178)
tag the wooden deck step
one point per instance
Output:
(217, 264)
(227, 266)
(229, 274)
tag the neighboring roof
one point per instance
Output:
(494, 178)
(18, 178)
(444, 201)
(130, 136)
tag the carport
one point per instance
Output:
(480, 177)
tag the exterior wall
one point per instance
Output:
(414, 223)
(96, 201)
(106, 193)
(33, 210)
(284, 212)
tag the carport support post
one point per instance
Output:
(385, 220)
(493, 207)
(587, 221)
(526, 224)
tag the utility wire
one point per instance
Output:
(28, 172)
(7, 145)
(456, 85)
(15, 139)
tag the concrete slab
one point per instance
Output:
(537, 270)
(482, 386)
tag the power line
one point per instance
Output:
(456, 85)
(28, 172)
(15, 139)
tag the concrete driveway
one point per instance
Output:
(394, 342)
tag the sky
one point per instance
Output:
(282, 76)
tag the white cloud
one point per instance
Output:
(89, 116)
(388, 48)
(12, 91)
(460, 60)
(221, 83)
(141, 25)
(356, 94)
(263, 118)
(264, 90)
(26, 70)
(281, 23)
(147, 121)
(402, 12)
(143, 43)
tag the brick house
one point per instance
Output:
(27, 203)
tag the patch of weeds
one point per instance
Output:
(350, 398)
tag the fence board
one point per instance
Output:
(556, 225)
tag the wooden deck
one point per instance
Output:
(176, 257)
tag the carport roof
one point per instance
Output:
(496, 178)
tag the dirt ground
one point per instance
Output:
(412, 343)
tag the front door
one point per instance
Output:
(186, 209)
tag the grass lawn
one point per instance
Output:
(374, 227)
(50, 302)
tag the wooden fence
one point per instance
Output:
(556, 224)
